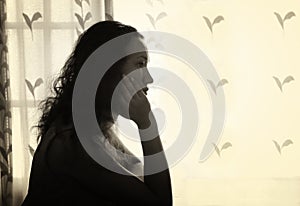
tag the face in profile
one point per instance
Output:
(133, 67)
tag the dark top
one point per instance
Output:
(63, 173)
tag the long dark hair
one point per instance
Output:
(60, 104)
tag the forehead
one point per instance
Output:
(137, 56)
(137, 43)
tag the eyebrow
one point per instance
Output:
(144, 57)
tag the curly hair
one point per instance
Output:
(60, 104)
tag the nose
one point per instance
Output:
(148, 78)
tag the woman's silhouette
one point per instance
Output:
(62, 172)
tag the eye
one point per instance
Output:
(142, 64)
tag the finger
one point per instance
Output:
(141, 94)
(121, 91)
(137, 86)
(129, 84)
(124, 92)
(124, 106)
(132, 86)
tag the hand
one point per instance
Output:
(139, 106)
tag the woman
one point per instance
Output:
(62, 172)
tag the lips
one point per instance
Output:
(145, 90)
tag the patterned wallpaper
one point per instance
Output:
(253, 46)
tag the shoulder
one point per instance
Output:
(61, 150)
(65, 154)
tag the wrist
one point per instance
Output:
(147, 121)
(144, 124)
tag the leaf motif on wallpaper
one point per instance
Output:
(32, 87)
(159, 46)
(36, 16)
(155, 20)
(214, 86)
(82, 19)
(31, 150)
(210, 24)
(288, 79)
(225, 146)
(151, 39)
(281, 20)
(87, 17)
(157, 43)
(150, 2)
(79, 2)
(284, 144)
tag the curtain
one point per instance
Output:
(5, 116)
(41, 35)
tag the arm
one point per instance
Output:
(156, 172)
(159, 182)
